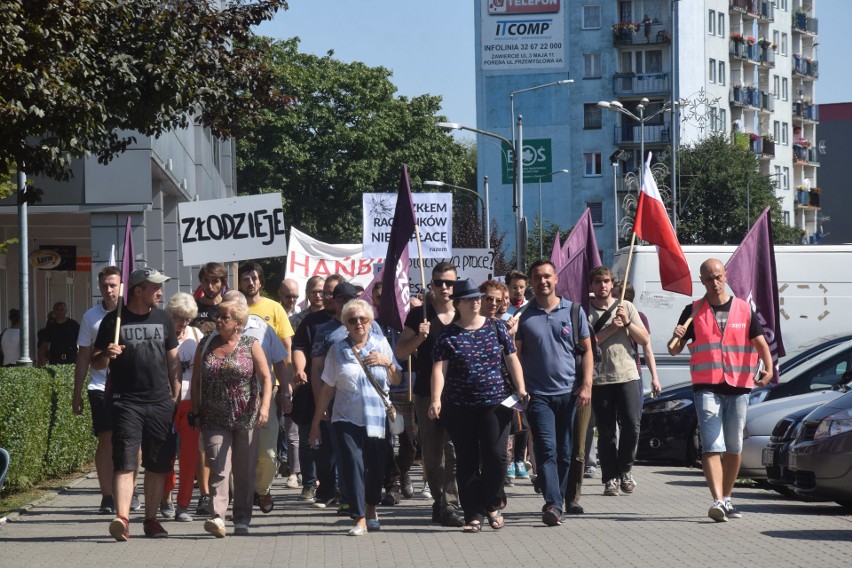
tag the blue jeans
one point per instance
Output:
(721, 418)
(551, 420)
(307, 456)
(361, 460)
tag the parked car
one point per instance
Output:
(776, 455)
(821, 456)
(669, 428)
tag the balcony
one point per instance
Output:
(767, 11)
(806, 111)
(654, 134)
(746, 7)
(807, 198)
(805, 155)
(743, 48)
(763, 148)
(626, 84)
(746, 95)
(765, 54)
(628, 33)
(805, 66)
(805, 24)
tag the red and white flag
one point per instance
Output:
(652, 224)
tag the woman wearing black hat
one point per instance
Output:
(467, 391)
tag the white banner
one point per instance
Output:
(309, 257)
(434, 213)
(522, 34)
(232, 229)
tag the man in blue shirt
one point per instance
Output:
(545, 342)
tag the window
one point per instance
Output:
(785, 133)
(784, 5)
(591, 66)
(776, 90)
(783, 44)
(711, 22)
(785, 95)
(776, 130)
(721, 28)
(723, 119)
(591, 116)
(785, 179)
(777, 180)
(775, 40)
(591, 17)
(596, 210)
(722, 73)
(712, 71)
(714, 119)
(593, 164)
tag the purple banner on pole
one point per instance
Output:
(752, 277)
(580, 254)
(395, 306)
(128, 258)
(556, 253)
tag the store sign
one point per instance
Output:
(538, 161)
(522, 34)
(500, 7)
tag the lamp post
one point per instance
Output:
(487, 224)
(541, 214)
(613, 159)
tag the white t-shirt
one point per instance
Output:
(186, 355)
(89, 326)
(11, 345)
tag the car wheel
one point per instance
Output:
(693, 448)
(845, 503)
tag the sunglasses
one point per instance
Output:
(362, 320)
(441, 283)
(491, 300)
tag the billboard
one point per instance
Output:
(522, 34)
(538, 161)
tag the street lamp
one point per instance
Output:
(613, 159)
(541, 215)
(485, 212)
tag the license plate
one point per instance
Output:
(791, 461)
(768, 457)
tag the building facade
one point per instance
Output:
(746, 68)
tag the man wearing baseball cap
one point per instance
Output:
(144, 382)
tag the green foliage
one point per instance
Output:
(549, 233)
(78, 74)
(720, 186)
(38, 428)
(346, 133)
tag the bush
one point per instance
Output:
(37, 426)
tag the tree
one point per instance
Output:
(720, 185)
(346, 133)
(79, 74)
(549, 234)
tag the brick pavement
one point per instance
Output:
(663, 524)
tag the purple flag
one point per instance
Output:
(395, 306)
(128, 258)
(556, 254)
(367, 296)
(753, 278)
(580, 254)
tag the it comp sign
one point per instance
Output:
(513, 38)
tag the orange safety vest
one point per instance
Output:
(718, 357)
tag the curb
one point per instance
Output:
(14, 515)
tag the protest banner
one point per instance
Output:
(232, 229)
(434, 213)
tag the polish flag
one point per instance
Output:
(652, 224)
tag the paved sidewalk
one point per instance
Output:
(663, 524)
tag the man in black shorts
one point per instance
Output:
(144, 382)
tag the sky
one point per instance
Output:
(429, 45)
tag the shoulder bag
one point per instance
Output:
(395, 420)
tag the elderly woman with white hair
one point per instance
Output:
(358, 371)
(232, 405)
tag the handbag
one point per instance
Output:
(396, 423)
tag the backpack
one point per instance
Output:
(597, 354)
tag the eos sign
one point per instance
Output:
(503, 7)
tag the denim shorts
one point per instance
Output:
(721, 419)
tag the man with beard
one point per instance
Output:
(212, 278)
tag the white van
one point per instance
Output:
(814, 284)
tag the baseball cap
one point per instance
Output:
(142, 275)
(344, 290)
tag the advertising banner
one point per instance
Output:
(434, 212)
(538, 161)
(232, 229)
(522, 34)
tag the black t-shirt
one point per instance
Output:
(206, 318)
(721, 313)
(63, 341)
(141, 373)
(422, 363)
(306, 333)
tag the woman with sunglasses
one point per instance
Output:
(231, 389)
(359, 413)
(468, 388)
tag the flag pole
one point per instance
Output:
(410, 382)
(422, 273)
(627, 269)
(118, 312)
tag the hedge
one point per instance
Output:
(43, 437)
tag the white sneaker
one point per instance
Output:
(216, 527)
(425, 493)
(717, 512)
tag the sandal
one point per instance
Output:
(495, 519)
(472, 527)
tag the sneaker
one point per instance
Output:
(216, 527)
(628, 484)
(718, 513)
(551, 517)
(182, 515)
(135, 505)
(292, 482)
(611, 488)
(318, 504)
(107, 506)
(119, 529)
(343, 510)
(373, 525)
(521, 471)
(590, 472)
(153, 528)
(203, 507)
(357, 530)
(731, 511)
(265, 503)
(308, 494)
(388, 500)
(450, 517)
(426, 493)
(406, 487)
(510, 471)
(575, 509)
(510, 482)
(241, 529)
(167, 510)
